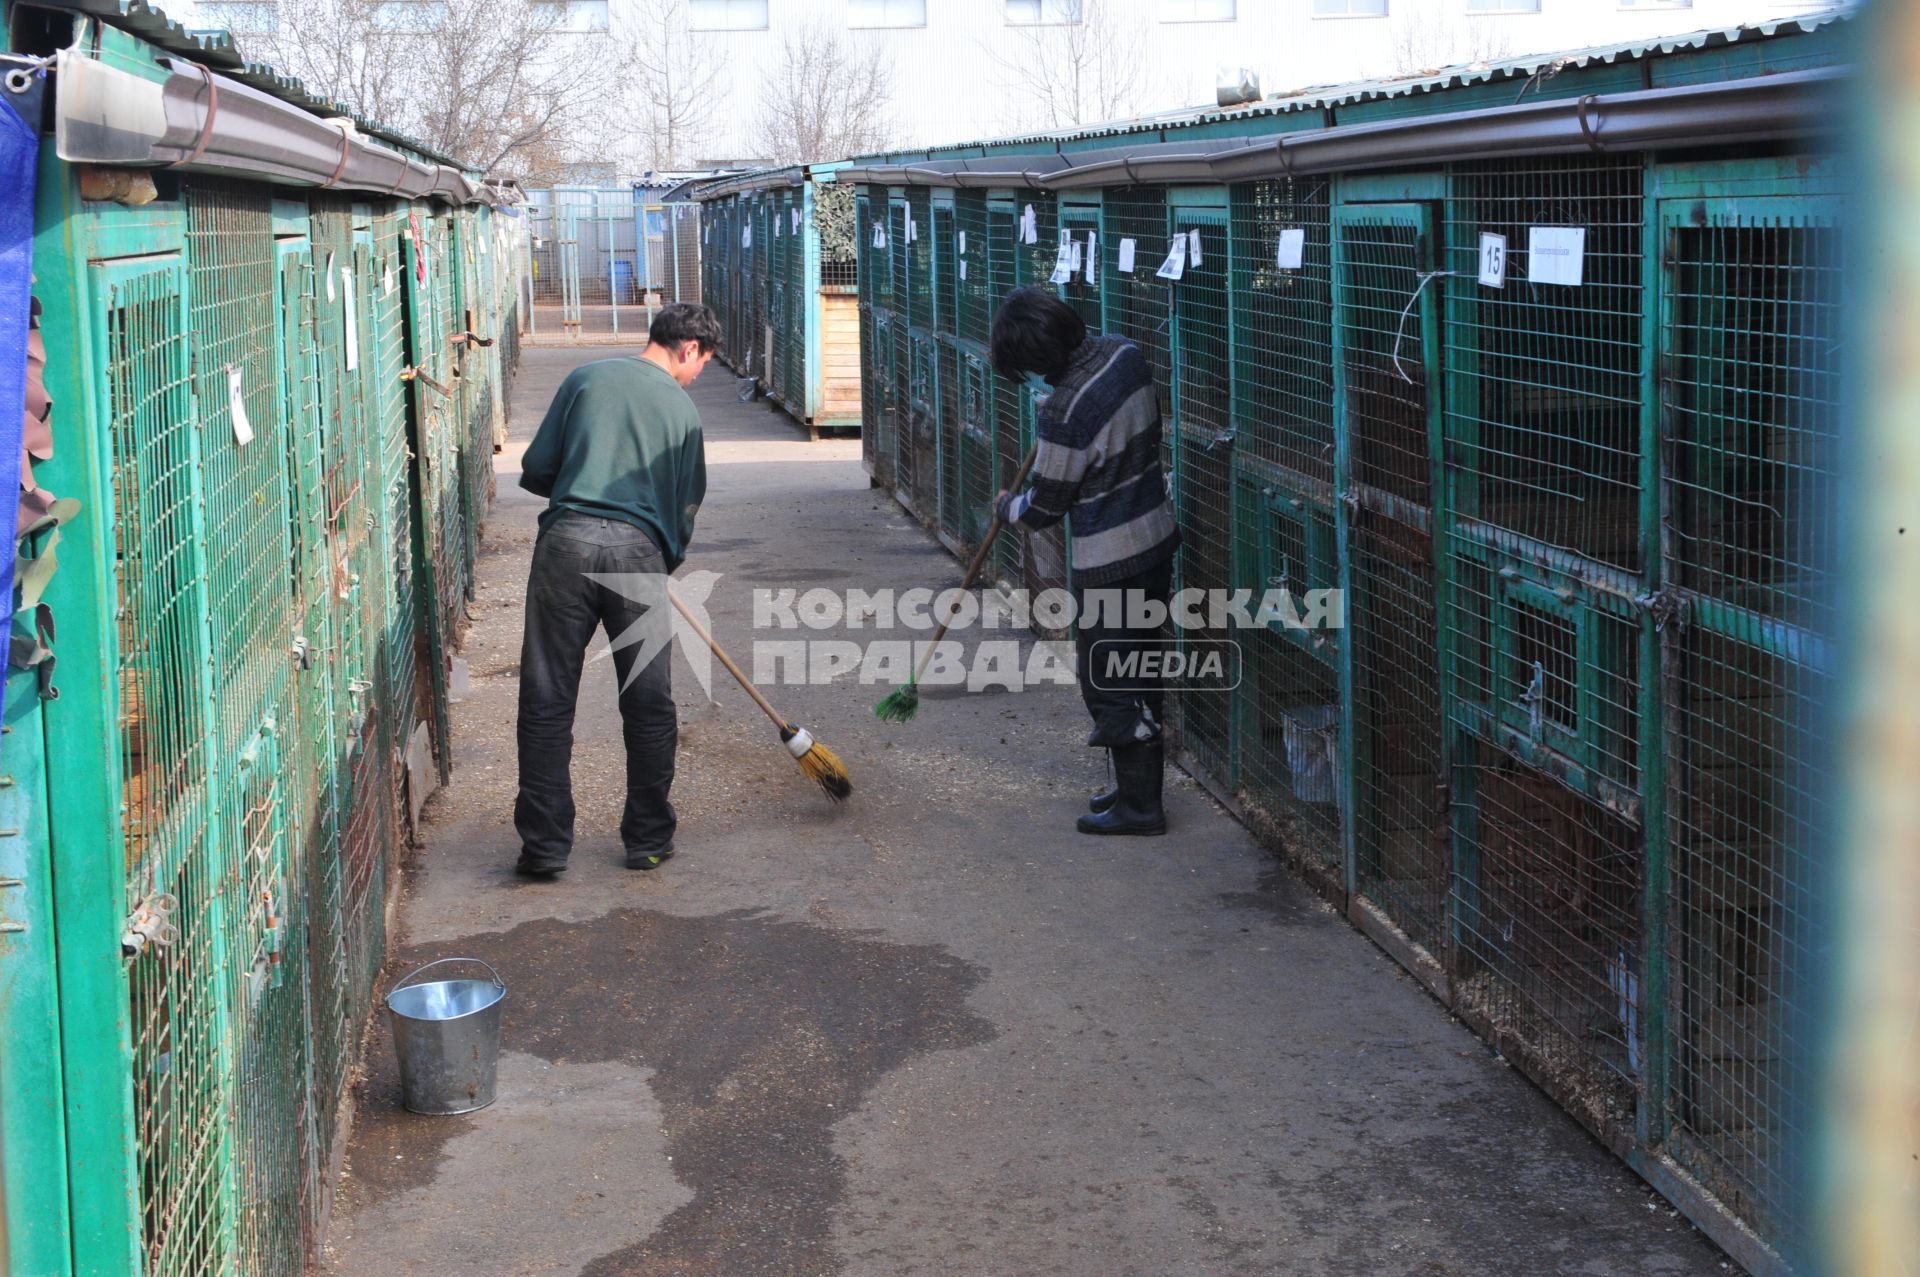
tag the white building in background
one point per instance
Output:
(963, 70)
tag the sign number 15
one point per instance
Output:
(1493, 260)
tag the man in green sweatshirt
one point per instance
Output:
(620, 459)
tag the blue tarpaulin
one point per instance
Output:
(19, 156)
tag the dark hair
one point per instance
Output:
(1034, 331)
(685, 321)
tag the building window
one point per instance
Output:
(1033, 13)
(574, 15)
(1196, 10)
(1349, 8)
(1503, 6)
(727, 15)
(886, 13)
(409, 15)
(240, 17)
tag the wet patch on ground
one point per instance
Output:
(758, 1035)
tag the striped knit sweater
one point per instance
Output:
(1098, 465)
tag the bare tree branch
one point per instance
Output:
(825, 98)
(497, 83)
(1425, 41)
(670, 77)
(1063, 75)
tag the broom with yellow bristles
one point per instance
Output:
(902, 703)
(817, 762)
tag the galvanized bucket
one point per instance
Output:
(447, 1035)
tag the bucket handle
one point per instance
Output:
(441, 962)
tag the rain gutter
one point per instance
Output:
(1760, 109)
(196, 120)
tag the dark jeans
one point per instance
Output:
(564, 607)
(1127, 710)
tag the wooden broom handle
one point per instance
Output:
(727, 661)
(979, 558)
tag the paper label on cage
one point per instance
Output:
(1193, 246)
(1079, 261)
(1062, 265)
(963, 270)
(746, 237)
(1292, 253)
(1126, 257)
(237, 408)
(913, 229)
(1093, 258)
(386, 281)
(1556, 254)
(777, 232)
(1029, 226)
(1493, 260)
(329, 274)
(1176, 264)
(352, 318)
(879, 237)
(794, 221)
(483, 243)
(963, 243)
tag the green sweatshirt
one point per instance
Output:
(621, 441)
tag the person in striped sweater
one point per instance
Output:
(1097, 465)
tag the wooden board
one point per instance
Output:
(839, 357)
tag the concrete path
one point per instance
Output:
(934, 1031)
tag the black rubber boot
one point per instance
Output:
(1137, 773)
(1108, 796)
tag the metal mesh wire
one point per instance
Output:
(1751, 332)
(1203, 463)
(1550, 916)
(1543, 656)
(1401, 859)
(179, 996)
(1543, 408)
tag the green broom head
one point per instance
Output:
(818, 763)
(899, 705)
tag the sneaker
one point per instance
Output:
(539, 867)
(649, 859)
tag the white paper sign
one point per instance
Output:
(483, 243)
(1062, 264)
(879, 236)
(1079, 260)
(1493, 260)
(963, 243)
(913, 229)
(237, 408)
(353, 319)
(1293, 248)
(1029, 226)
(1126, 257)
(386, 281)
(1193, 247)
(963, 270)
(795, 219)
(1556, 254)
(329, 274)
(746, 237)
(1176, 264)
(777, 232)
(1093, 258)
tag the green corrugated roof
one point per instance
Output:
(1525, 70)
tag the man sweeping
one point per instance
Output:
(620, 459)
(1097, 465)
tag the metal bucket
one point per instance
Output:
(447, 1035)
